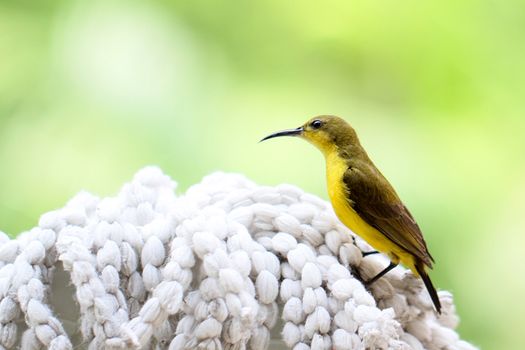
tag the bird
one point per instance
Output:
(364, 200)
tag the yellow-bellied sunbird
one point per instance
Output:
(364, 200)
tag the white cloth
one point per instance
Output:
(228, 265)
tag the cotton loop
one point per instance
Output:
(220, 267)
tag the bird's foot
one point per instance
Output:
(357, 275)
(369, 253)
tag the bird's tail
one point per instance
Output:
(430, 287)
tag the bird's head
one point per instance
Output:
(326, 132)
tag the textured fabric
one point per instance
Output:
(228, 265)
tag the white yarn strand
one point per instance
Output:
(215, 268)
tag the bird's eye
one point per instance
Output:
(316, 124)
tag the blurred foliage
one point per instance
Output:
(90, 91)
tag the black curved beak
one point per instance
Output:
(288, 132)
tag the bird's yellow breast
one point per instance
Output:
(338, 193)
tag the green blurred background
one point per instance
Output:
(91, 91)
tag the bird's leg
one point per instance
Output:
(380, 274)
(369, 253)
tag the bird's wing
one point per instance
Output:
(377, 203)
